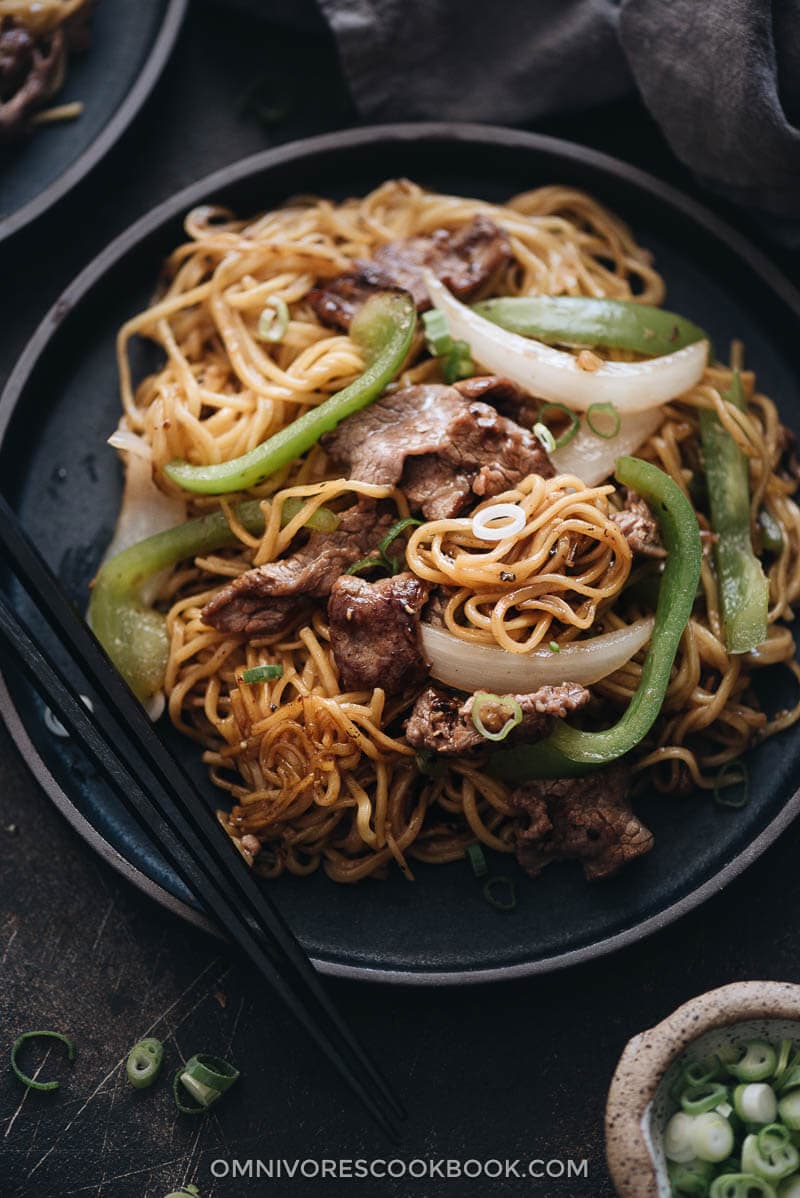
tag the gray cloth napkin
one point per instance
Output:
(721, 77)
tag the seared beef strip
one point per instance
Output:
(444, 448)
(509, 399)
(466, 260)
(585, 819)
(638, 527)
(441, 722)
(375, 632)
(263, 599)
(30, 72)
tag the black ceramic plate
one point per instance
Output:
(130, 44)
(61, 403)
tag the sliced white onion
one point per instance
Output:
(592, 458)
(145, 508)
(554, 375)
(513, 516)
(470, 667)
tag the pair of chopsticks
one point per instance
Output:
(124, 746)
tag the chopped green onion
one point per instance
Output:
(603, 409)
(789, 1110)
(273, 321)
(769, 1153)
(678, 1142)
(696, 1100)
(205, 1079)
(790, 1081)
(144, 1062)
(507, 702)
(367, 563)
(712, 1137)
(477, 860)
(784, 1056)
(544, 436)
(262, 674)
(506, 899)
(770, 529)
(572, 427)
(756, 1063)
(697, 1073)
(755, 1103)
(437, 336)
(185, 1192)
(428, 763)
(690, 1178)
(554, 647)
(458, 364)
(23, 1077)
(322, 519)
(393, 533)
(740, 799)
(740, 1185)
(178, 1091)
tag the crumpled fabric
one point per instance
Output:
(720, 77)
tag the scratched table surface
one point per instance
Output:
(507, 1072)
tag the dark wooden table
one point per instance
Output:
(515, 1071)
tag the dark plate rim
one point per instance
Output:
(490, 135)
(111, 132)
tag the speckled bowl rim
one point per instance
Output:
(648, 1055)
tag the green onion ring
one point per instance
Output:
(262, 674)
(23, 1077)
(458, 364)
(508, 702)
(719, 784)
(366, 563)
(698, 1099)
(437, 336)
(606, 409)
(784, 1056)
(477, 860)
(185, 1192)
(698, 1073)
(544, 437)
(206, 1079)
(178, 1090)
(144, 1063)
(394, 532)
(500, 903)
(273, 321)
(572, 427)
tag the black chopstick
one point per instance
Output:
(136, 747)
(27, 654)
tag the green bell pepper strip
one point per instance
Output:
(568, 751)
(384, 329)
(578, 320)
(742, 584)
(134, 635)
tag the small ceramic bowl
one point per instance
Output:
(638, 1104)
